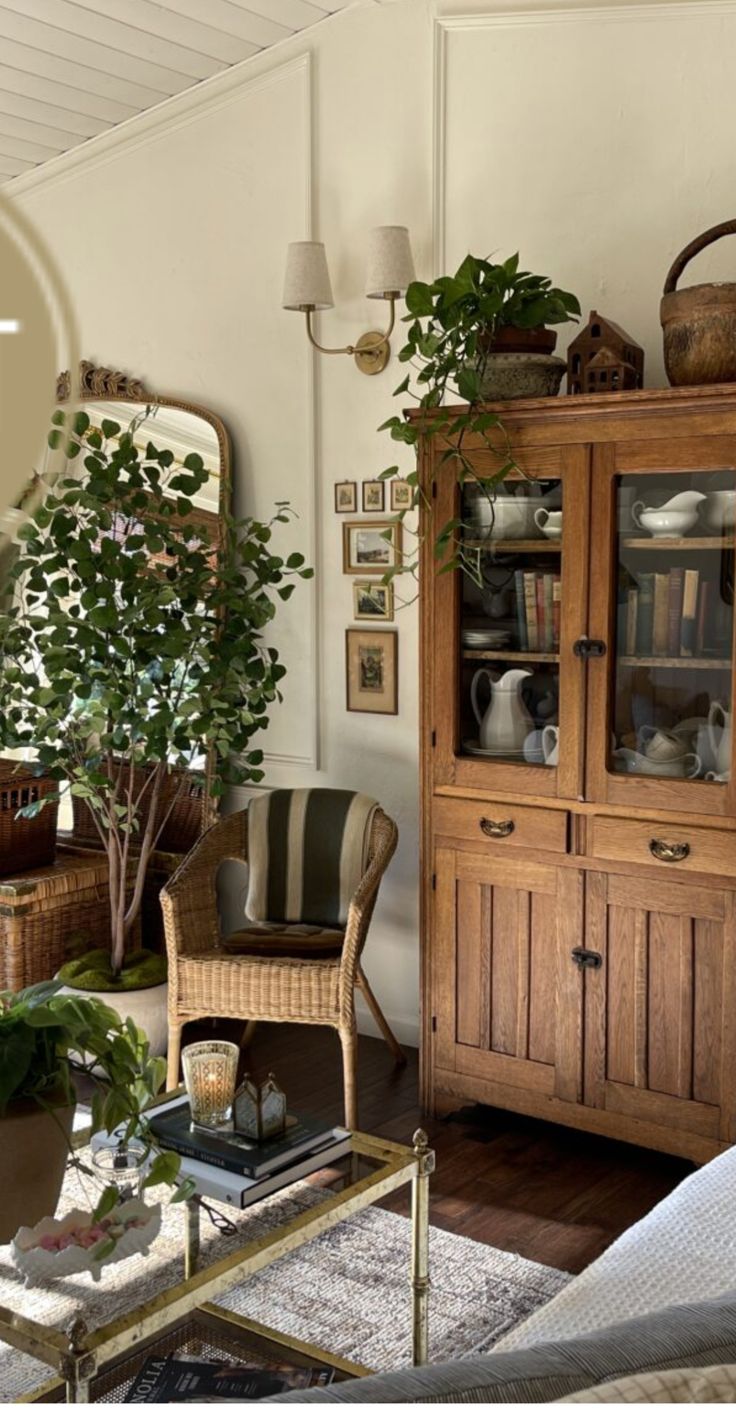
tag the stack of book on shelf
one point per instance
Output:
(236, 1170)
(675, 614)
(538, 610)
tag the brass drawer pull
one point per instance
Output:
(669, 850)
(496, 829)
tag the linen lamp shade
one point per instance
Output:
(390, 262)
(307, 282)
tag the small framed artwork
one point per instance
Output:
(374, 496)
(346, 497)
(365, 550)
(372, 671)
(373, 601)
(402, 495)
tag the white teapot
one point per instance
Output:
(507, 721)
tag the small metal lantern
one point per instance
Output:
(259, 1112)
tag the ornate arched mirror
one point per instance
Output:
(182, 428)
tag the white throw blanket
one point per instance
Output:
(683, 1251)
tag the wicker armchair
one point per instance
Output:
(279, 977)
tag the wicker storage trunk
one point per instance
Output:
(44, 913)
(183, 828)
(25, 842)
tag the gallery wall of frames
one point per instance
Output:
(372, 548)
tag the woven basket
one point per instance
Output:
(183, 827)
(51, 915)
(25, 842)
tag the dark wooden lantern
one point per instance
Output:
(604, 358)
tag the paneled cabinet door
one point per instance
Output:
(660, 701)
(506, 996)
(660, 1037)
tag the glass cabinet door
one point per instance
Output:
(670, 659)
(514, 707)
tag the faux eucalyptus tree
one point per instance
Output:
(134, 644)
(452, 325)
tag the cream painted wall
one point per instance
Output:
(595, 138)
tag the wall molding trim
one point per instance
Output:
(505, 15)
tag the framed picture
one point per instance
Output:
(365, 550)
(402, 495)
(374, 496)
(346, 497)
(373, 601)
(372, 670)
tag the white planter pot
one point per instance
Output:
(146, 1006)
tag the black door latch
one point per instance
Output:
(585, 647)
(586, 958)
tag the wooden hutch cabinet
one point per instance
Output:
(579, 792)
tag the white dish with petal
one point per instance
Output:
(139, 1223)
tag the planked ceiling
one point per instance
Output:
(71, 69)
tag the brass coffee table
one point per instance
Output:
(78, 1356)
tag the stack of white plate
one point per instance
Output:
(485, 638)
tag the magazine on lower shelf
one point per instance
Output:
(182, 1379)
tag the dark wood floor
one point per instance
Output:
(550, 1194)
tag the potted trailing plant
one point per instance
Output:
(42, 1033)
(133, 645)
(480, 334)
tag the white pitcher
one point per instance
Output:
(720, 739)
(507, 721)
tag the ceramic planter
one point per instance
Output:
(146, 1006)
(34, 1145)
(509, 375)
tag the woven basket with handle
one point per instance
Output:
(699, 322)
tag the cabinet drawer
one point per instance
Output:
(670, 846)
(500, 825)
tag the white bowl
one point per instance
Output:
(506, 518)
(718, 511)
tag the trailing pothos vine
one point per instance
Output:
(452, 326)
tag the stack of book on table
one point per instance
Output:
(234, 1169)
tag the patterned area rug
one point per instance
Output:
(348, 1291)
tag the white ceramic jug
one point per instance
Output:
(507, 721)
(551, 745)
(720, 738)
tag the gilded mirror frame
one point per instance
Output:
(105, 384)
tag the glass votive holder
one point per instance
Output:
(122, 1165)
(210, 1069)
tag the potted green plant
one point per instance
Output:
(133, 646)
(481, 334)
(42, 1034)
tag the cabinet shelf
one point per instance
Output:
(539, 656)
(680, 544)
(677, 662)
(515, 545)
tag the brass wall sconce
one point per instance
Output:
(307, 289)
